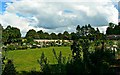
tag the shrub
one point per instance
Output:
(11, 47)
(118, 43)
(24, 47)
(9, 68)
(19, 47)
(44, 65)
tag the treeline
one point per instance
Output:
(45, 35)
(13, 34)
(113, 29)
(86, 30)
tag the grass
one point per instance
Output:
(26, 60)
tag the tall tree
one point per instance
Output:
(31, 34)
(66, 35)
(41, 34)
(53, 36)
(60, 36)
(89, 26)
(113, 29)
(11, 35)
(117, 30)
(97, 31)
(109, 31)
(46, 35)
(73, 36)
(111, 25)
(78, 28)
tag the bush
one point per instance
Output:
(19, 47)
(24, 47)
(56, 69)
(11, 47)
(9, 68)
(118, 43)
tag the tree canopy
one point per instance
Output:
(11, 35)
(113, 29)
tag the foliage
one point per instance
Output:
(101, 61)
(66, 35)
(96, 62)
(9, 68)
(74, 36)
(58, 68)
(83, 61)
(113, 29)
(87, 32)
(118, 43)
(75, 50)
(44, 65)
(53, 36)
(31, 34)
(21, 47)
(60, 36)
(11, 35)
(11, 47)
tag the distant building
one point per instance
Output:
(46, 40)
(113, 37)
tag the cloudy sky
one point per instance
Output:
(58, 15)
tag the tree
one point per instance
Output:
(53, 36)
(31, 35)
(111, 25)
(97, 31)
(40, 34)
(74, 36)
(117, 30)
(9, 68)
(89, 26)
(78, 28)
(92, 31)
(85, 46)
(79, 31)
(11, 35)
(109, 31)
(46, 35)
(66, 35)
(101, 63)
(113, 29)
(75, 50)
(60, 36)
(101, 60)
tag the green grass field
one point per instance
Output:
(26, 60)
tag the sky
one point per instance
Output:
(58, 15)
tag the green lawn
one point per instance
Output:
(26, 60)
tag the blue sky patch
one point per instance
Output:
(2, 7)
(68, 11)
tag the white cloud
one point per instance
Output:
(57, 16)
(102, 28)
